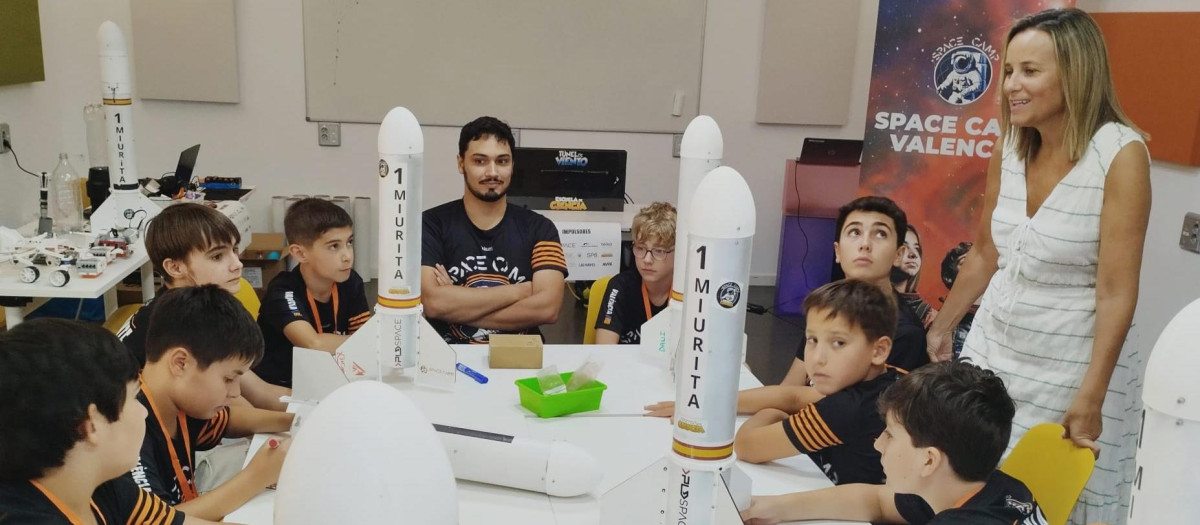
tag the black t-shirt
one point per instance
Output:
(1003, 500)
(286, 301)
(909, 348)
(155, 472)
(838, 432)
(626, 306)
(115, 502)
(133, 332)
(511, 252)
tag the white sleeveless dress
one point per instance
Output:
(1037, 320)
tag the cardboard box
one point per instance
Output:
(515, 351)
(264, 258)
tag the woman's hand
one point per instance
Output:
(1083, 423)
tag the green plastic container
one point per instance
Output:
(582, 400)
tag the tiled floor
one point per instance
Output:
(771, 340)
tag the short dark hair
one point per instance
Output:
(207, 321)
(877, 204)
(483, 127)
(51, 371)
(307, 220)
(950, 263)
(863, 304)
(182, 228)
(955, 407)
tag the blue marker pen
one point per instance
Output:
(478, 377)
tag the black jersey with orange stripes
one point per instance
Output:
(286, 301)
(155, 471)
(838, 432)
(118, 502)
(522, 244)
(1003, 500)
(626, 307)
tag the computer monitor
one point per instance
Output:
(565, 179)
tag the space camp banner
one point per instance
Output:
(933, 117)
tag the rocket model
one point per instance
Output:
(126, 207)
(556, 468)
(391, 338)
(717, 247)
(401, 167)
(699, 153)
(1165, 482)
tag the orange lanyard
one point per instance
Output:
(71, 517)
(185, 484)
(646, 300)
(312, 303)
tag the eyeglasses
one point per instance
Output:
(658, 253)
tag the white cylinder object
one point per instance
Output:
(279, 204)
(556, 468)
(366, 455)
(364, 248)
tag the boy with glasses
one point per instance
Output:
(635, 295)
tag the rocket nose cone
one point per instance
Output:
(111, 39)
(400, 133)
(723, 206)
(702, 139)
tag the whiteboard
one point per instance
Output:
(595, 65)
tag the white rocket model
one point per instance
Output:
(125, 208)
(699, 153)
(557, 468)
(1167, 479)
(395, 471)
(391, 339)
(717, 273)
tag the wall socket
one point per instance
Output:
(329, 133)
(5, 137)
(676, 143)
(1189, 237)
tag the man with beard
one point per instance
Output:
(487, 266)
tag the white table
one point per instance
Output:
(618, 435)
(78, 287)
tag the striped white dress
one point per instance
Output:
(1036, 322)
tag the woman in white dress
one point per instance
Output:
(1058, 252)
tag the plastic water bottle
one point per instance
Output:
(67, 206)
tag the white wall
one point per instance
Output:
(265, 139)
(1170, 276)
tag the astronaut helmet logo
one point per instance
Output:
(962, 75)
(729, 294)
(383, 169)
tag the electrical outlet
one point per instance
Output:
(329, 133)
(517, 138)
(1189, 237)
(5, 137)
(676, 143)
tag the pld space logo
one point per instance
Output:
(963, 72)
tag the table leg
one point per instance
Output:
(13, 315)
(147, 282)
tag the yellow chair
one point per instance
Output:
(595, 297)
(115, 321)
(1053, 468)
(249, 298)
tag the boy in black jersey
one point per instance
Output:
(192, 244)
(72, 425)
(635, 295)
(191, 375)
(947, 426)
(834, 421)
(487, 266)
(319, 303)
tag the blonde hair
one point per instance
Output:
(657, 221)
(1085, 78)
